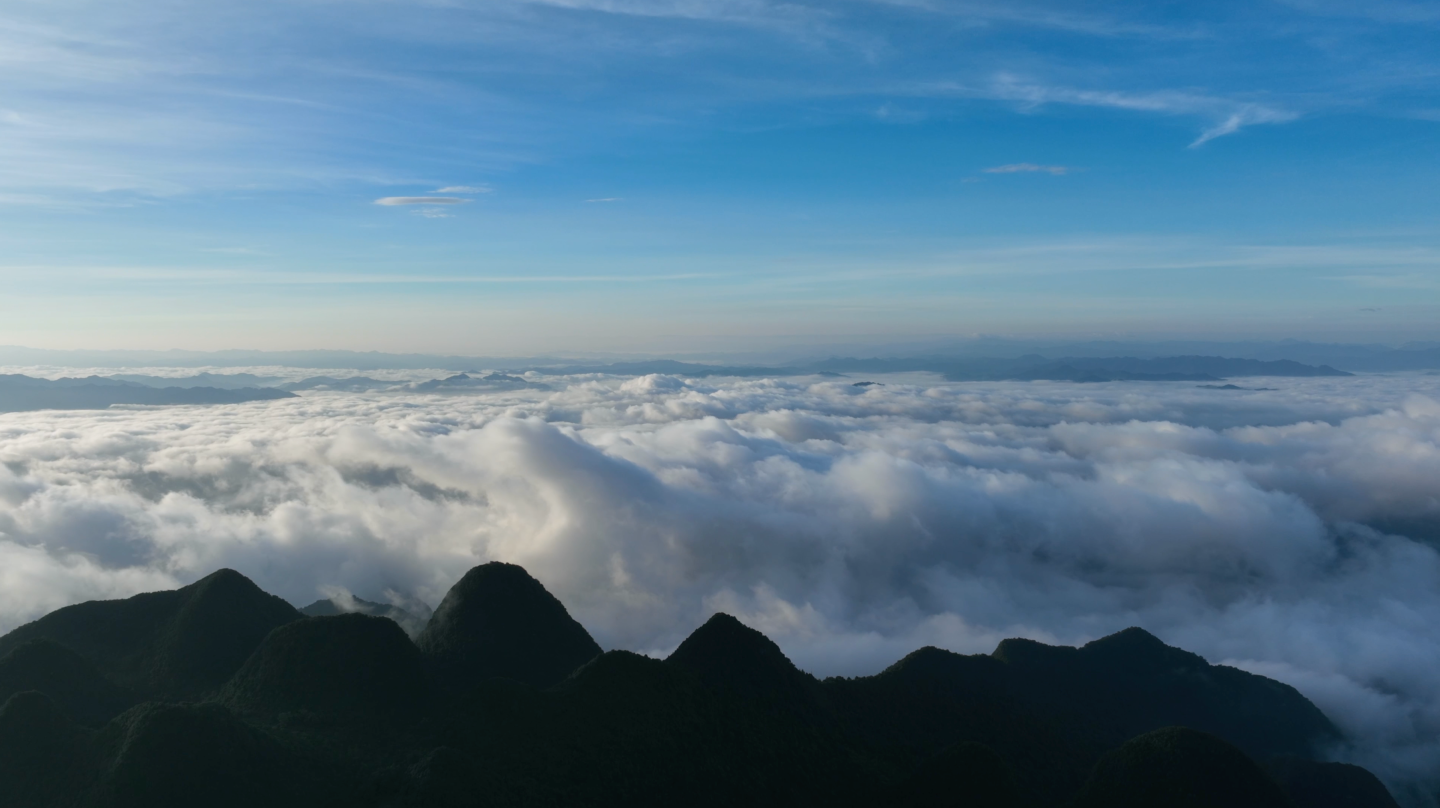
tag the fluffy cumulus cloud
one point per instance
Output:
(1291, 530)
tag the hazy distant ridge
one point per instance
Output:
(1351, 357)
(1025, 368)
(22, 393)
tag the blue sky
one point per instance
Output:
(674, 175)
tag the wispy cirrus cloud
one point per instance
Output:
(794, 17)
(465, 189)
(1247, 115)
(1230, 115)
(420, 200)
(1028, 168)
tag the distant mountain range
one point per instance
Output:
(218, 694)
(1351, 357)
(19, 393)
(1024, 368)
(222, 381)
(488, 382)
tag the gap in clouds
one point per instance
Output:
(852, 524)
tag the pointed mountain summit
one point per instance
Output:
(1139, 651)
(729, 655)
(499, 621)
(176, 644)
(931, 666)
(350, 666)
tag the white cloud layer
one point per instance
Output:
(1290, 531)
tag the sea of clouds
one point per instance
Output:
(1291, 531)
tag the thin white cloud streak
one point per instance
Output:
(465, 189)
(1230, 115)
(792, 18)
(421, 200)
(1248, 115)
(812, 21)
(853, 524)
(1027, 168)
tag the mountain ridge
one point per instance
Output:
(20, 393)
(504, 699)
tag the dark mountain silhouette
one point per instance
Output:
(172, 645)
(626, 729)
(965, 774)
(733, 658)
(21, 393)
(1136, 682)
(46, 759)
(1313, 784)
(184, 755)
(1177, 767)
(76, 687)
(933, 699)
(346, 667)
(505, 700)
(498, 621)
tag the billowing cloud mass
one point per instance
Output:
(1291, 531)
